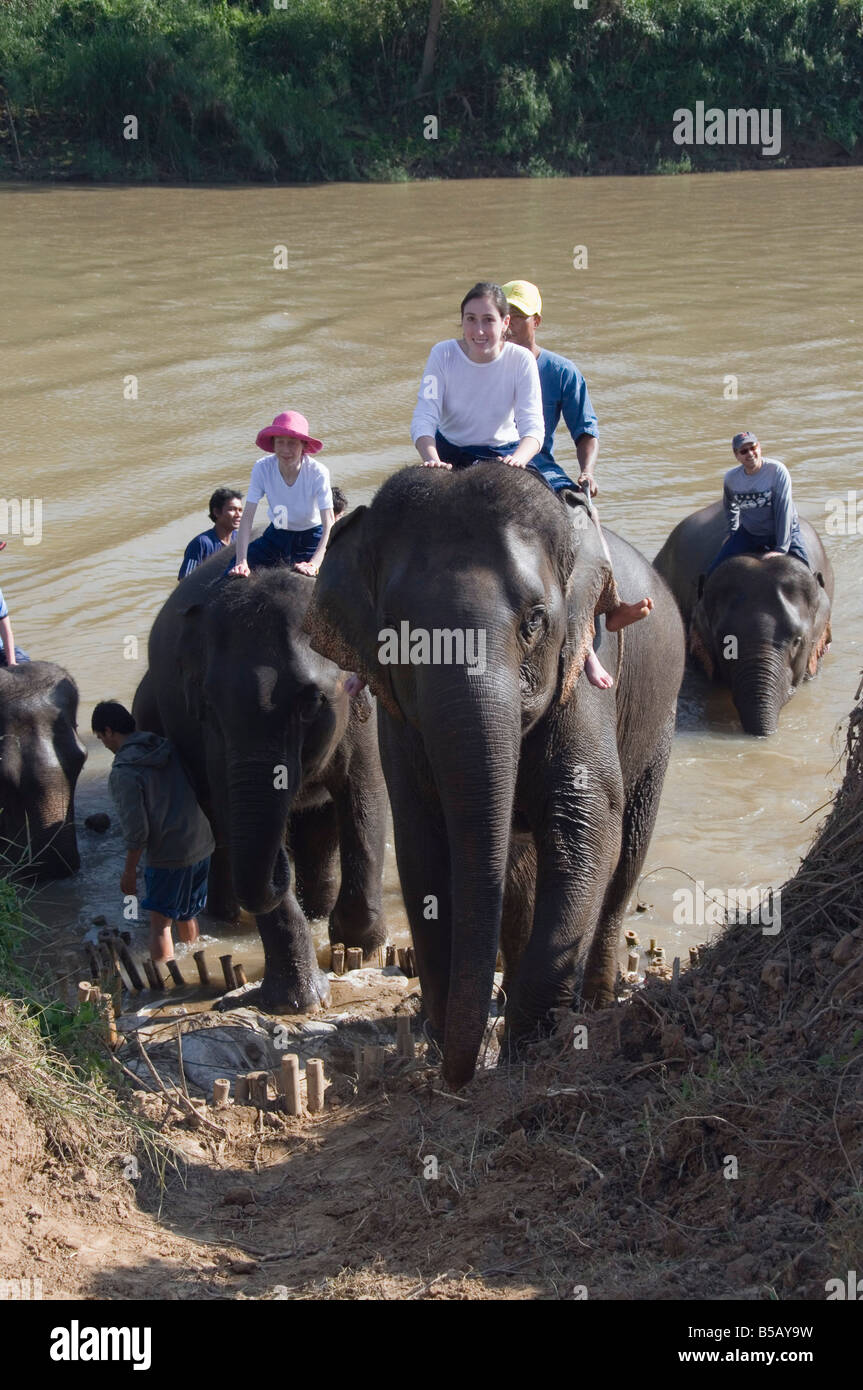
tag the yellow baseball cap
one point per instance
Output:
(522, 295)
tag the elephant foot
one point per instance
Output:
(369, 936)
(283, 996)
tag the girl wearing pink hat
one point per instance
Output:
(297, 489)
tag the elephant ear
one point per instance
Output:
(699, 650)
(588, 581)
(821, 626)
(341, 619)
(188, 660)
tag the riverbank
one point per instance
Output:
(697, 1143)
(133, 91)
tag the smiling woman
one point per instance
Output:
(480, 396)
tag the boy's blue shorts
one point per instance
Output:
(177, 893)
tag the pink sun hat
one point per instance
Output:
(290, 425)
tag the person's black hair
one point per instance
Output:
(220, 498)
(340, 501)
(110, 714)
(486, 289)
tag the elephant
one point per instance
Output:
(523, 798)
(277, 753)
(40, 761)
(758, 624)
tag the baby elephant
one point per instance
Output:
(758, 624)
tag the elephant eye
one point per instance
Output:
(532, 621)
(310, 702)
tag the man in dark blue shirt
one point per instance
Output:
(226, 508)
(564, 391)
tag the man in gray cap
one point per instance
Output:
(759, 508)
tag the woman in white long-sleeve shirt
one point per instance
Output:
(480, 396)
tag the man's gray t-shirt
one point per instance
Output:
(761, 502)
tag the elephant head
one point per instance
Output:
(272, 711)
(761, 626)
(466, 601)
(40, 760)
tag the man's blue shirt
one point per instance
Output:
(564, 392)
(198, 550)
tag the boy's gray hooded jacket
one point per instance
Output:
(156, 806)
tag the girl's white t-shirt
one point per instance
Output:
(487, 403)
(294, 508)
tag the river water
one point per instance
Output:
(690, 281)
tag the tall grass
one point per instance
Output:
(325, 89)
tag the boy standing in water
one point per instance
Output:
(158, 812)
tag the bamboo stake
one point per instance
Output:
(291, 1083)
(315, 1084)
(258, 1088)
(404, 1036)
(130, 967)
(228, 971)
(391, 957)
(221, 1091)
(240, 975)
(337, 959)
(200, 959)
(354, 959)
(241, 1089)
(175, 973)
(84, 987)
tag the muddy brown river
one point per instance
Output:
(149, 335)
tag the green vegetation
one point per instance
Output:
(302, 90)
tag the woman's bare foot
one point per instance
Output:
(626, 613)
(596, 672)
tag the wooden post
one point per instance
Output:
(675, 974)
(129, 966)
(221, 1091)
(240, 975)
(175, 974)
(106, 1009)
(404, 1036)
(200, 959)
(149, 972)
(315, 1084)
(632, 963)
(158, 977)
(241, 1089)
(412, 963)
(228, 972)
(258, 1088)
(403, 960)
(391, 957)
(291, 1083)
(693, 956)
(93, 963)
(337, 959)
(84, 988)
(354, 959)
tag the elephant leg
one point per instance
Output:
(518, 908)
(577, 838)
(422, 854)
(639, 819)
(360, 800)
(293, 983)
(314, 838)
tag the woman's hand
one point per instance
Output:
(129, 883)
(435, 463)
(515, 463)
(306, 567)
(240, 568)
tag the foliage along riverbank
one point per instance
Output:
(308, 90)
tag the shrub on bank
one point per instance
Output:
(326, 89)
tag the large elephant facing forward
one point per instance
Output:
(279, 758)
(523, 798)
(40, 759)
(758, 624)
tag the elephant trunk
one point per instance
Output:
(472, 737)
(260, 794)
(760, 687)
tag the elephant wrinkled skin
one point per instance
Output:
(40, 759)
(758, 624)
(523, 798)
(276, 753)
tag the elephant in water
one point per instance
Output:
(40, 759)
(758, 624)
(523, 797)
(278, 755)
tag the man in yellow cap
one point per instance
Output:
(564, 391)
